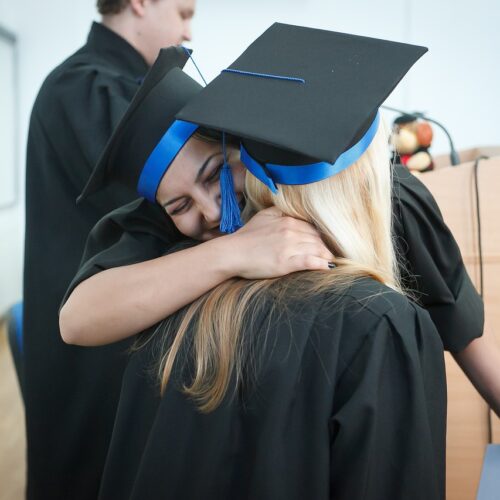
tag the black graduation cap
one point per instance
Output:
(150, 115)
(304, 97)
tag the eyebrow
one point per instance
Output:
(198, 177)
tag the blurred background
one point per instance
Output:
(457, 82)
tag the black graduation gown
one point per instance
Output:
(71, 393)
(431, 262)
(349, 403)
(432, 265)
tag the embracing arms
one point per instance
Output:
(117, 303)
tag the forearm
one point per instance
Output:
(123, 301)
(480, 361)
(120, 302)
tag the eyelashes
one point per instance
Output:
(215, 174)
(213, 177)
(179, 209)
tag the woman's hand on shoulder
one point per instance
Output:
(272, 245)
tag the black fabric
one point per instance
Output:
(163, 92)
(133, 233)
(346, 79)
(71, 393)
(349, 403)
(431, 263)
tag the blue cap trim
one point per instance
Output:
(162, 157)
(271, 174)
(257, 169)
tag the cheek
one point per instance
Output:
(189, 225)
(165, 27)
(172, 24)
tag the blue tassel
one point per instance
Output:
(230, 220)
(230, 216)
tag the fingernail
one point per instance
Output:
(332, 265)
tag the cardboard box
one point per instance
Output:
(470, 422)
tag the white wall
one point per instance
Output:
(457, 82)
(10, 218)
(47, 32)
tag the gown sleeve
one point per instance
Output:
(136, 232)
(388, 424)
(432, 265)
(83, 103)
(91, 118)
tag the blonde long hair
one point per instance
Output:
(352, 211)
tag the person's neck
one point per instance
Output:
(124, 25)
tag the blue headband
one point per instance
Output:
(271, 174)
(162, 157)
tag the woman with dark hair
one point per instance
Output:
(177, 167)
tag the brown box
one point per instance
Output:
(470, 422)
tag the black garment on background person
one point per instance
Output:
(349, 403)
(431, 262)
(71, 392)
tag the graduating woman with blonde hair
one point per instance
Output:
(320, 384)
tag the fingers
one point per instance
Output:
(306, 262)
(314, 248)
(273, 219)
(289, 224)
(290, 245)
(284, 220)
(310, 256)
(271, 211)
(297, 232)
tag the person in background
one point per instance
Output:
(71, 393)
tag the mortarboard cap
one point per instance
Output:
(148, 137)
(304, 101)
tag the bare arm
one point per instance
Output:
(480, 361)
(120, 302)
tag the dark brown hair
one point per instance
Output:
(210, 135)
(106, 7)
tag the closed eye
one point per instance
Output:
(215, 174)
(181, 208)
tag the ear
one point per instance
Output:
(139, 7)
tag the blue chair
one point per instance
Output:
(489, 485)
(14, 319)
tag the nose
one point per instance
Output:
(186, 35)
(210, 210)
